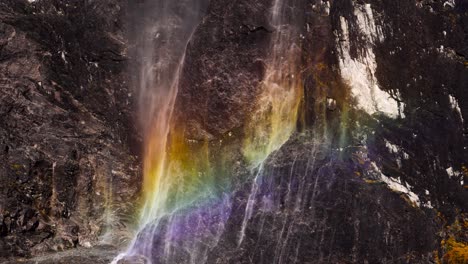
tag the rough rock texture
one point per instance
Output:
(381, 186)
(376, 179)
(221, 78)
(65, 125)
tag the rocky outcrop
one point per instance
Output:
(375, 173)
(222, 78)
(65, 125)
(381, 147)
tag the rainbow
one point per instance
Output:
(189, 181)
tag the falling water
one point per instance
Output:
(184, 213)
(276, 116)
(166, 28)
(277, 110)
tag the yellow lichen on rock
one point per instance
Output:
(457, 251)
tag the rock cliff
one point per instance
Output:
(375, 170)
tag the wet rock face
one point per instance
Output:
(375, 174)
(432, 88)
(322, 212)
(387, 87)
(223, 67)
(420, 61)
(64, 125)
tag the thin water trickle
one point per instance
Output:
(250, 203)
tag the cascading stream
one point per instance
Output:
(184, 208)
(277, 108)
(163, 51)
(276, 116)
(167, 28)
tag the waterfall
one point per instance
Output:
(185, 212)
(276, 115)
(277, 109)
(166, 28)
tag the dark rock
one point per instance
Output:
(356, 183)
(221, 78)
(64, 125)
